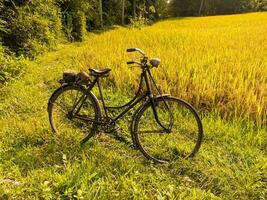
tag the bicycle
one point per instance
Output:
(163, 127)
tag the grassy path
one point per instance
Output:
(34, 164)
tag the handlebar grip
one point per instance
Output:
(130, 62)
(131, 50)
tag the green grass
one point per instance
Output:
(36, 164)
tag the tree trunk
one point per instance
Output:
(134, 9)
(122, 11)
(100, 13)
(201, 7)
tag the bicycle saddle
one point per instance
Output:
(99, 72)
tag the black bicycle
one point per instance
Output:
(163, 127)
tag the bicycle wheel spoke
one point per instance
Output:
(160, 145)
(78, 101)
(186, 134)
(63, 97)
(61, 107)
(62, 116)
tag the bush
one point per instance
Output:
(33, 26)
(75, 15)
(10, 66)
(138, 22)
(79, 26)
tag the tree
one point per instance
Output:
(100, 13)
(122, 12)
(3, 28)
(33, 25)
(134, 8)
(201, 6)
(161, 9)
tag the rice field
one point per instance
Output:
(217, 63)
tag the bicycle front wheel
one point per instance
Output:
(177, 133)
(73, 113)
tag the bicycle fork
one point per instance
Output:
(152, 101)
(167, 129)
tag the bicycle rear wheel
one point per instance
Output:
(185, 130)
(73, 113)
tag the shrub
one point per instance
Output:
(75, 15)
(10, 66)
(33, 26)
(138, 22)
(79, 26)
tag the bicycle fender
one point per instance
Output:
(162, 95)
(54, 93)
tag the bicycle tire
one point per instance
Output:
(59, 106)
(156, 143)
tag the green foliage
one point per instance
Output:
(79, 26)
(263, 5)
(184, 7)
(10, 66)
(75, 15)
(68, 26)
(3, 29)
(161, 9)
(33, 26)
(112, 12)
(214, 7)
(229, 6)
(138, 22)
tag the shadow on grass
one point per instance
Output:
(33, 152)
(44, 150)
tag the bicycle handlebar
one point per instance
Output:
(131, 50)
(130, 62)
(143, 57)
(135, 49)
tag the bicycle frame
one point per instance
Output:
(145, 75)
(129, 105)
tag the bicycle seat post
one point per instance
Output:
(101, 96)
